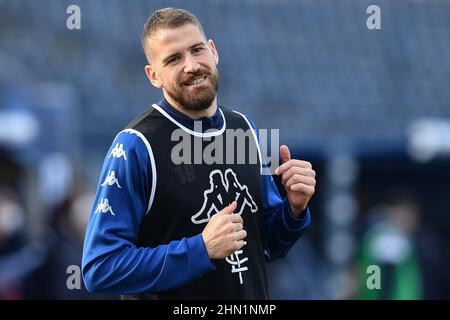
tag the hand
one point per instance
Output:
(299, 180)
(224, 233)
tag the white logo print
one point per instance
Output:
(118, 151)
(104, 207)
(236, 264)
(222, 185)
(111, 179)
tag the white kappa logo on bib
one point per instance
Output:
(222, 185)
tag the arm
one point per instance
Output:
(112, 263)
(283, 226)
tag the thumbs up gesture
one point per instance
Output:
(299, 180)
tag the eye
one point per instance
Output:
(173, 60)
(197, 50)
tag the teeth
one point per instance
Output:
(197, 81)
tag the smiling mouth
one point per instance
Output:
(196, 81)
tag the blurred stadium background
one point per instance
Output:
(369, 108)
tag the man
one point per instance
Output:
(173, 231)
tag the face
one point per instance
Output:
(183, 65)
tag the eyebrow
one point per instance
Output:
(176, 53)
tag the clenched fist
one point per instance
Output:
(224, 233)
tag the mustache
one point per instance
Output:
(197, 74)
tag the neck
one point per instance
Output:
(194, 114)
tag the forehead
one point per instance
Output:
(171, 40)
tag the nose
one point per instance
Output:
(191, 64)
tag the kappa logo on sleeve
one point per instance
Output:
(111, 179)
(104, 207)
(221, 186)
(118, 151)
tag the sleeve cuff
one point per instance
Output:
(290, 222)
(199, 255)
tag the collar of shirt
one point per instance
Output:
(214, 122)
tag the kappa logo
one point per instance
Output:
(118, 151)
(221, 187)
(111, 179)
(104, 207)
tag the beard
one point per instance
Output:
(195, 99)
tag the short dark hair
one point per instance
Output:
(168, 18)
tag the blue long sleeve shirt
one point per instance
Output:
(112, 263)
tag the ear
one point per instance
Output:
(212, 46)
(152, 76)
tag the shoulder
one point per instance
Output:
(148, 122)
(130, 143)
(150, 114)
(234, 114)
